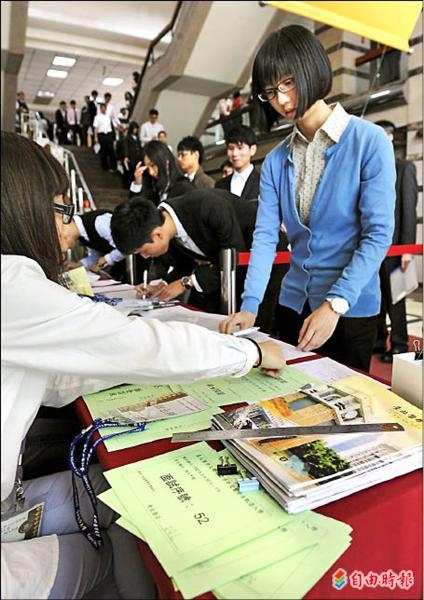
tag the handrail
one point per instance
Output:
(152, 45)
(231, 116)
(81, 177)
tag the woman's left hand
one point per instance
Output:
(318, 327)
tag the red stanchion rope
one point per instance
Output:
(283, 258)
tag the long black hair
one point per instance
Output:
(30, 180)
(294, 51)
(168, 172)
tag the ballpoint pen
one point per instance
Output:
(144, 296)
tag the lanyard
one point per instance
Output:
(92, 532)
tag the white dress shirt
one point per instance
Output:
(238, 180)
(57, 346)
(102, 226)
(74, 116)
(111, 112)
(102, 122)
(149, 131)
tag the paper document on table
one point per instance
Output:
(111, 284)
(77, 281)
(180, 313)
(188, 513)
(191, 472)
(403, 283)
(251, 388)
(327, 370)
(291, 352)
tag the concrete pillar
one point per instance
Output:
(13, 31)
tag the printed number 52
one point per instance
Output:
(201, 518)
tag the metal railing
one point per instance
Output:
(77, 184)
(150, 52)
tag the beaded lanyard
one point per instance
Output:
(92, 533)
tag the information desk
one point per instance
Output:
(386, 520)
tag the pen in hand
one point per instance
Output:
(144, 296)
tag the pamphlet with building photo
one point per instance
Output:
(305, 472)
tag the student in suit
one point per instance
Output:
(58, 346)
(159, 177)
(404, 233)
(93, 105)
(330, 298)
(190, 154)
(62, 127)
(241, 148)
(92, 230)
(191, 230)
(132, 151)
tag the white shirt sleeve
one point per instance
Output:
(145, 134)
(196, 283)
(136, 187)
(102, 226)
(96, 122)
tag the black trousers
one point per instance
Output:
(351, 343)
(107, 151)
(396, 312)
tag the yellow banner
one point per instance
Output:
(390, 23)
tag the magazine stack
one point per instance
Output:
(306, 472)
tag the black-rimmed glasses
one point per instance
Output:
(284, 87)
(66, 210)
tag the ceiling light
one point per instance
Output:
(64, 61)
(112, 81)
(378, 94)
(57, 74)
(42, 94)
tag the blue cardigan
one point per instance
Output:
(350, 229)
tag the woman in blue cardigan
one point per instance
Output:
(332, 183)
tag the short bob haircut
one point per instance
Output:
(30, 181)
(295, 51)
(161, 156)
(132, 223)
(192, 144)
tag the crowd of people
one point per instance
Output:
(329, 189)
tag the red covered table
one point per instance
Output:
(387, 531)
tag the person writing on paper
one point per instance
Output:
(57, 346)
(332, 184)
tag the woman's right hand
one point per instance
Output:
(138, 173)
(273, 361)
(243, 320)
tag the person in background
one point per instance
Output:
(21, 108)
(57, 347)
(86, 121)
(132, 151)
(226, 169)
(129, 100)
(74, 121)
(94, 105)
(241, 148)
(330, 298)
(163, 137)
(159, 177)
(103, 135)
(404, 233)
(224, 108)
(62, 127)
(111, 112)
(190, 155)
(150, 129)
(92, 230)
(136, 78)
(237, 104)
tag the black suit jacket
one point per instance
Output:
(62, 123)
(213, 219)
(406, 202)
(250, 190)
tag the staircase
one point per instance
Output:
(107, 188)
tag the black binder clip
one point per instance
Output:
(225, 468)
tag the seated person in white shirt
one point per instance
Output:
(190, 155)
(163, 137)
(57, 346)
(92, 230)
(241, 148)
(150, 129)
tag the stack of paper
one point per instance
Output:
(209, 536)
(306, 472)
(188, 407)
